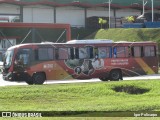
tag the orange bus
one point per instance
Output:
(79, 59)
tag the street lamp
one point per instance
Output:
(109, 5)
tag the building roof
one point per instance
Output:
(117, 4)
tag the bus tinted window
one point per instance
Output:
(104, 52)
(71, 53)
(136, 51)
(149, 51)
(63, 53)
(83, 53)
(120, 52)
(45, 54)
(86, 52)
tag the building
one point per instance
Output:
(72, 11)
(76, 13)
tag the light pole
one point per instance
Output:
(144, 6)
(109, 21)
(152, 11)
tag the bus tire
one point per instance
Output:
(38, 78)
(29, 82)
(115, 75)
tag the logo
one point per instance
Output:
(6, 114)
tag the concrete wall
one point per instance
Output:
(9, 9)
(99, 11)
(38, 14)
(72, 15)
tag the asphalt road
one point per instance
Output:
(145, 77)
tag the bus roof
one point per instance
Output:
(97, 41)
(93, 41)
(135, 42)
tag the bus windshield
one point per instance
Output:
(8, 58)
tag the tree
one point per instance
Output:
(130, 19)
(102, 22)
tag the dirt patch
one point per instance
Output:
(131, 89)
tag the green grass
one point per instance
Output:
(83, 98)
(80, 97)
(130, 34)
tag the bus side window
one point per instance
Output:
(56, 54)
(95, 51)
(129, 51)
(149, 51)
(63, 53)
(76, 53)
(23, 56)
(142, 51)
(44, 54)
(120, 52)
(71, 53)
(115, 52)
(102, 52)
(132, 51)
(137, 51)
(155, 51)
(90, 52)
(110, 52)
(36, 54)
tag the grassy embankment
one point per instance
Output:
(132, 34)
(81, 97)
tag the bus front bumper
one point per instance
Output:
(16, 76)
(8, 76)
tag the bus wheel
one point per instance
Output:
(38, 78)
(115, 75)
(29, 82)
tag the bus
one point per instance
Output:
(35, 63)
